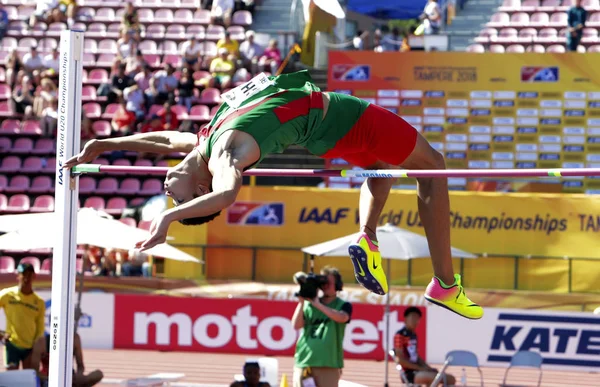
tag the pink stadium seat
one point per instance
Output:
(590, 32)
(46, 267)
(18, 204)
(44, 146)
(175, 31)
(199, 113)
(4, 91)
(242, 18)
(151, 187)
(510, 6)
(5, 110)
(595, 48)
(593, 20)
(202, 16)
(527, 35)
(153, 60)
(113, 30)
(95, 202)
(105, 15)
(55, 29)
(195, 30)
(128, 221)
(210, 96)
(41, 184)
(214, 110)
(547, 35)
(47, 45)
(88, 60)
(90, 46)
(145, 15)
(34, 261)
(145, 224)
(181, 112)
(515, 48)
(237, 33)
(87, 185)
(106, 60)
(22, 145)
(163, 16)
(18, 184)
(201, 75)
(539, 19)
(591, 4)
(3, 199)
(214, 32)
(529, 5)
(101, 128)
(7, 265)
(50, 165)
(143, 163)
(26, 43)
(475, 48)
(8, 44)
(121, 162)
(98, 76)
(107, 185)
(556, 48)
(129, 186)
(537, 48)
(31, 127)
(110, 110)
(95, 30)
(183, 16)
(174, 60)
(558, 19)
(79, 265)
(550, 3)
(137, 201)
(497, 48)
(43, 203)
(10, 164)
(169, 47)
(115, 206)
(92, 110)
(32, 164)
(507, 35)
(10, 127)
(581, 49)
(148, 47)
(107, 46)
(86, 13)
(162, 163)
(519, 19)
(155, 31)
(88, 93)
(5, 144)
(154, 109)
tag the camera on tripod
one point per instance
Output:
(309, 284)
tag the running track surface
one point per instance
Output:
(217, 370)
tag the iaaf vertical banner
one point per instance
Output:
(242, 326)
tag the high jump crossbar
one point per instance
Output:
(382, 173)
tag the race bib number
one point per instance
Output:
(235, 97)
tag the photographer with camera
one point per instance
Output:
(319, 356)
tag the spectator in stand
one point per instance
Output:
(135, 101)
(186, 89)
(407, 355)
(120, 82)
(271, 57)
(250, 52)
(245, 5)
(23, 97)
(135, 64)
(40, 362)
(168, 116)
(151, 93)
(130, 24)
(190, 52)
(44, 97)
(221, 12)
(166, 85)
(391, 40)
(25, 318)
(231, 45)
(142, 79)
(251, 377)
(51, 63)
(432, 17)
(68, 10)
(123, 120)
(358, 42)
(137, 265)
(3, 22)
(13, 66)
(127, 47)
(222, 70)
(46, 11)
(155, 124)
(49, 119)
(33, 60)
(576, 21)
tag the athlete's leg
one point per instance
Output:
(373, 196)
(434, 207)
(89, 380)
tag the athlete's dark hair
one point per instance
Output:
(412, 309)
(200, 219)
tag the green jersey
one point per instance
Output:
(288, 110)
(320, 344)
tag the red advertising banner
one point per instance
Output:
(257, 327)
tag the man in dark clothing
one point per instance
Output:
(577, 15)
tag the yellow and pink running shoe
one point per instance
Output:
(453, 298)
(368, 269)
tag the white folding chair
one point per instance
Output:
(458, 358)
(525, 359)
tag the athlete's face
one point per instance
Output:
(412, 320)
(329, 289)
(252, 375)
(179, 186)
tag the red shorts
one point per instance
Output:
(379, 135)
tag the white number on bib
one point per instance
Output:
(235, 97)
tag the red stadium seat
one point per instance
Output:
(44, 146)
(31, 128)
(43, 203)
(115, 206)
(92, 109)
(128, 221)
(110, 110)
(18, 184)
(41, 184)
(107, 185)
(10, 164)
(10, 127)
(199, 113)
(101, 128)
(98, 76)
(3, 199)
(34, 261)
(152, 187)
(145, 224)
(50, 166)
(87, 185)
(143, 163)
(22, 145)
(4, 91)
(5, 144)
(46, 267)
(18, 204)
(7, 265)
(121, 162)
(181, 112)
(173, 60)
(129, 186)
(95, 202)
(210, 96)
(32, 164)
(88, 93)
(5, 110)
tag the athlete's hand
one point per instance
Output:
(4, 337)
(90, 152)
(158, 233)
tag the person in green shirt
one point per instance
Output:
(319, 351)
(576, 20)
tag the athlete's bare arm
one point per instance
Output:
(155, 142)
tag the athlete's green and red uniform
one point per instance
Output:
(290, 112)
